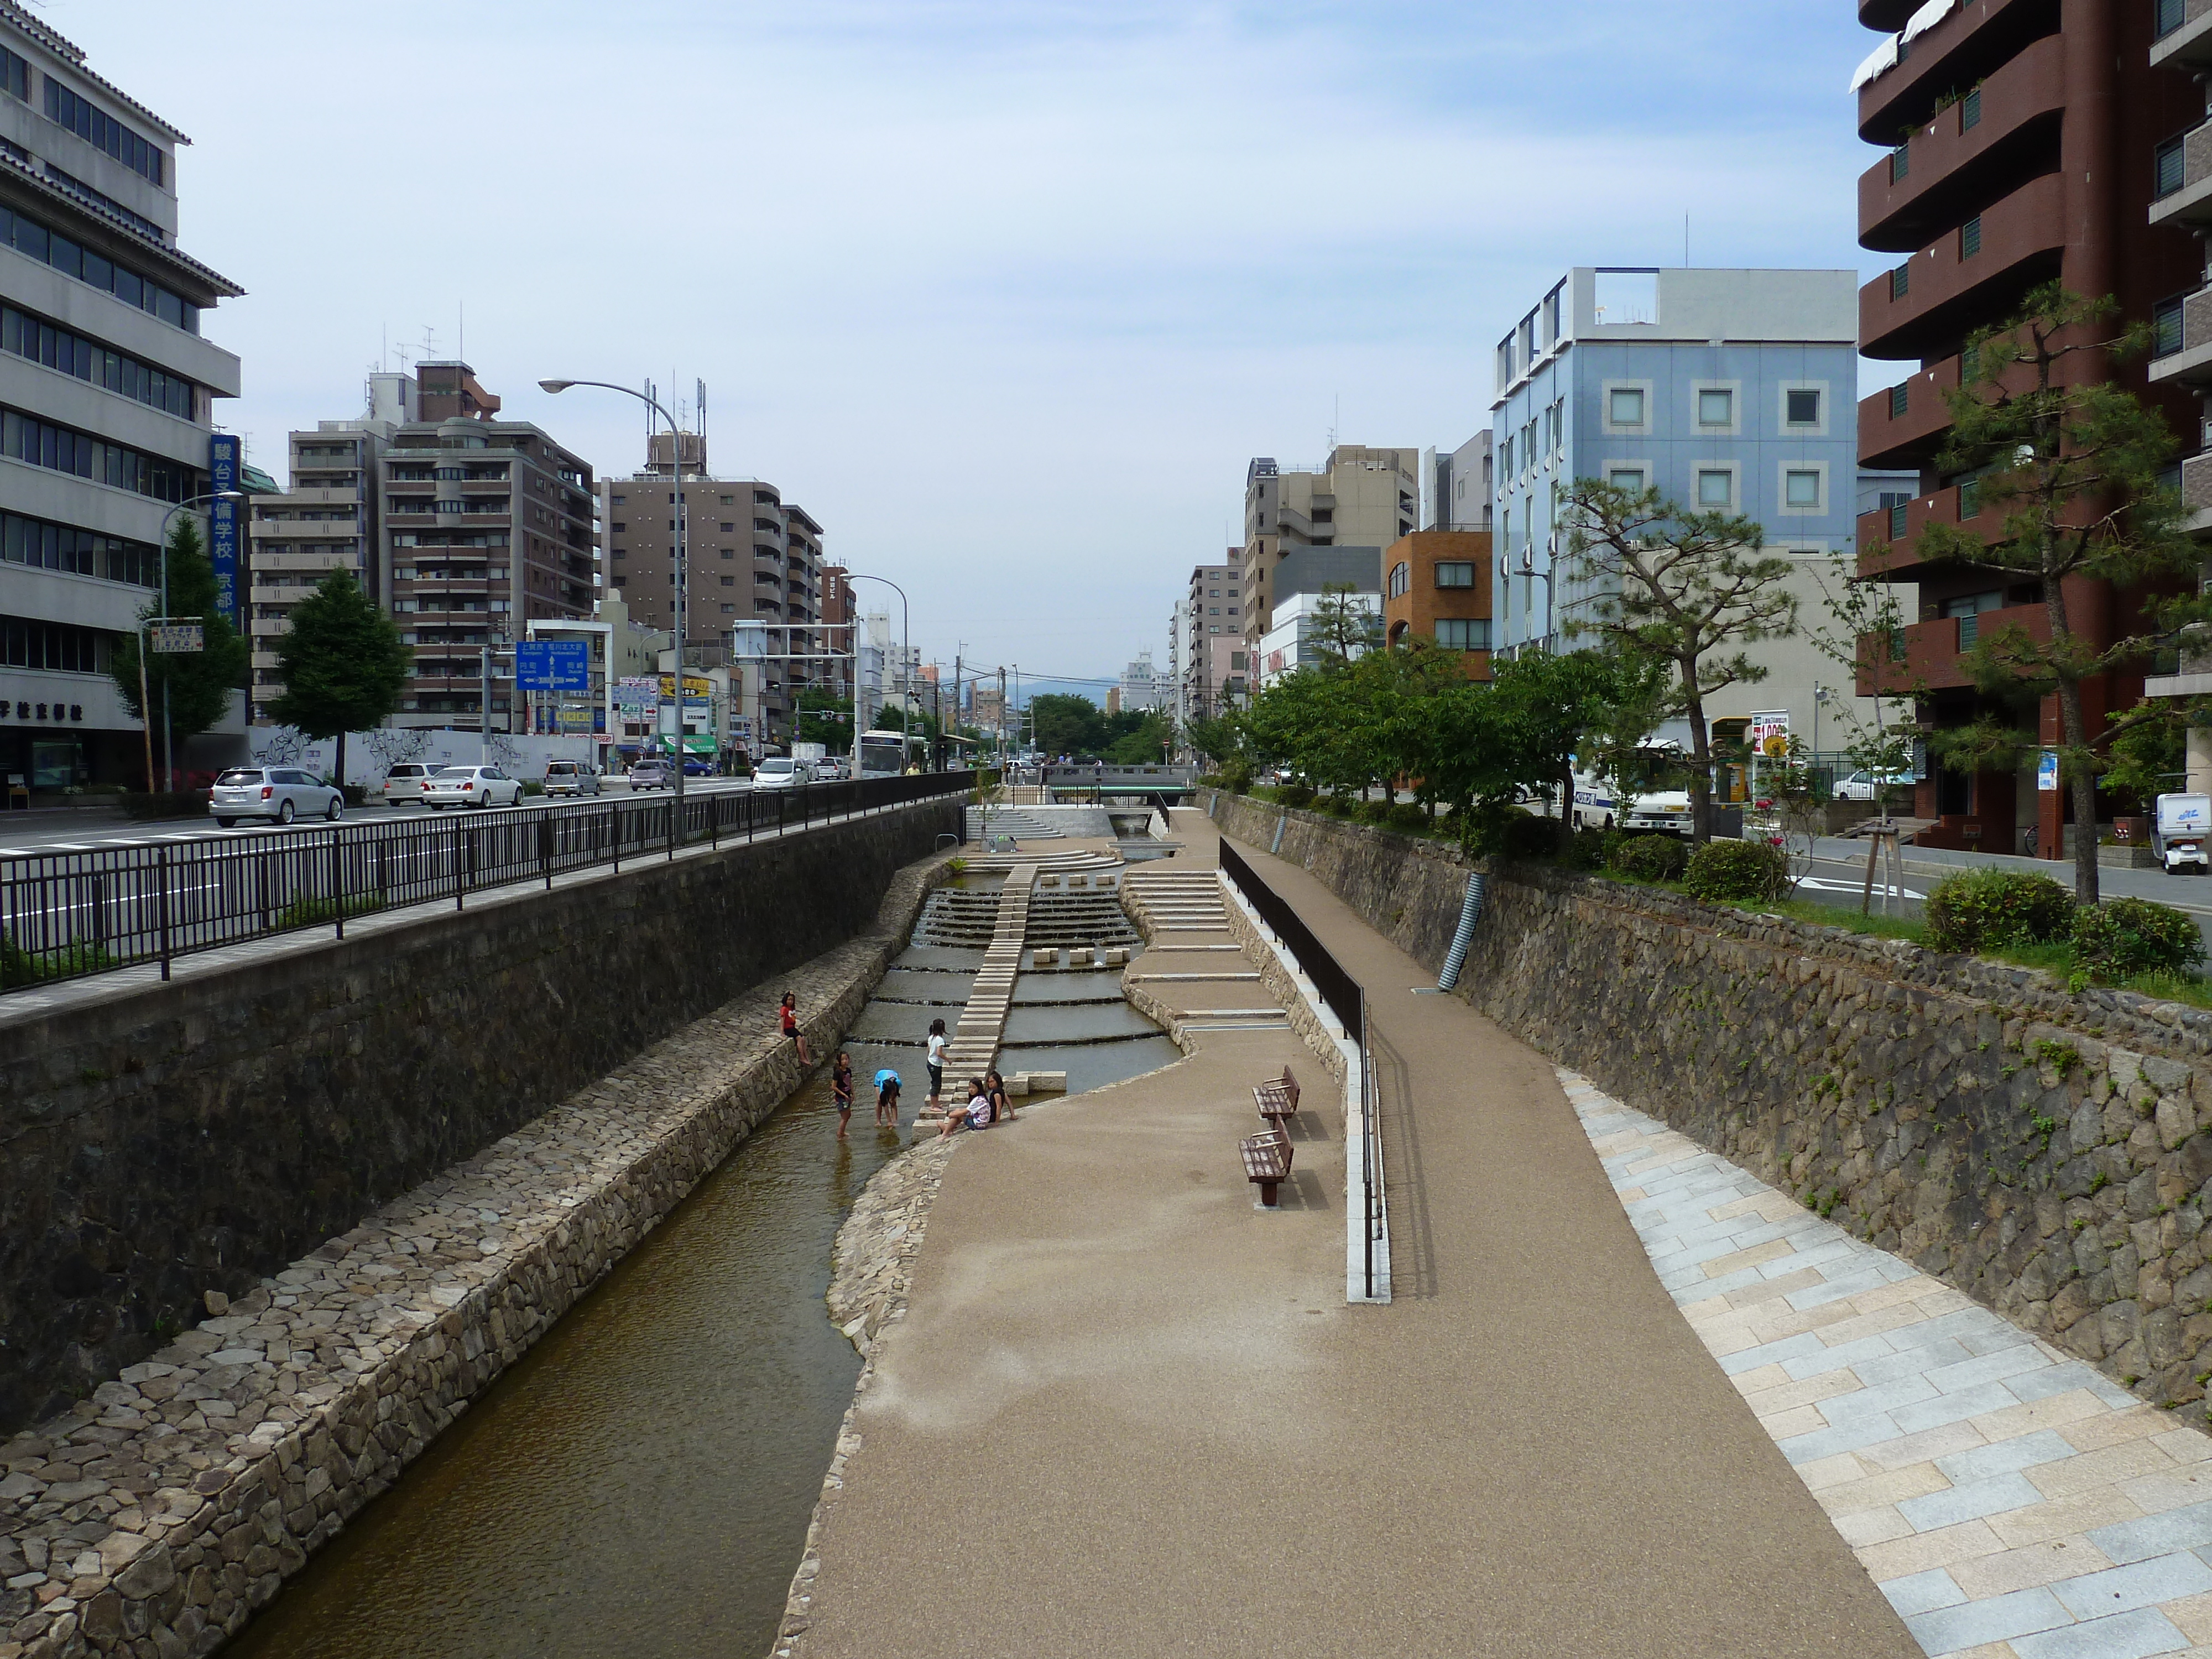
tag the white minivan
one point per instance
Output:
(782, 771)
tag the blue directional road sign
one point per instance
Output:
(553, 666)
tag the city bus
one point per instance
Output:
(883, 754)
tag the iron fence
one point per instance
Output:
(1344, 997)
(68, 914)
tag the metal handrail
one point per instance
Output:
(1344, 997)
(69, 914)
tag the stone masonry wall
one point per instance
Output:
(154, 1518)
(159, 1141)
(2048, 1153)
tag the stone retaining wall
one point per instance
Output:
(152, 1518)
(161, 1140)
(2048, 1153)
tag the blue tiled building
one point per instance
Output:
(1730, 389)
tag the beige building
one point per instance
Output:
(1359, 497)
(1210, 655)
(327, 520)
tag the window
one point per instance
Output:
(2168, 168)
(1900, 281)
(1898, 511)
(1802, 408)
(1900, 162)
(1453, 572)
(1970, 111)
(1969, 238)
(28, 335)
(1898, 399)
(54, 646)
(47, 546)
(65, 108)
(1628, 478)
(1715, 488)
(28, 236)
(1801, 488)
(15, 75)
(1400, 579)
(1624, 405)
(729, 529)
(2167, 332)
(1464, 634)
(1716, 408)
(42, 443)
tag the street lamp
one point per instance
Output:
(168, 732)
(906, 655)
(683, 567)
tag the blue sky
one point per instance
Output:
(1005, 294)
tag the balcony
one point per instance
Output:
(1934, 650)
(2001, 131)
(1903, 425)
(2185, 39)
(1966, 48)
(2184, 336)
(1886, 539)
(2183, 185)
(1968, 275)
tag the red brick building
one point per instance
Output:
(1436, 586)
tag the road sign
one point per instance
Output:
(553, 666)
(175, 638)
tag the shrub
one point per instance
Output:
(1589, 848)
(1738, 870)
(1987, 908)
(1411, 817)
(2124, 937)
(1651, 858)
(315, 912)
(1375, 812)
(22, 967)
(1338, 806)
(1295, 795)
(1524, 835)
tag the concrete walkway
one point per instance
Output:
(1129, 1413)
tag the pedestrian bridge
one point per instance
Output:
(1129, 783)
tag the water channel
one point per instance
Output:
(639, 1484)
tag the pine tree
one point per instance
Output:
(344, 663)
(199, 684)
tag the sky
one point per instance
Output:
(1006, 293)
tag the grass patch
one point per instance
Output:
(311, 913)
(19, 967)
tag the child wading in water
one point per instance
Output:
(841, 1085)
(887, 1097)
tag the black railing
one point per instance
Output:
(67, 914)
(1342, 995)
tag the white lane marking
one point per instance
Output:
(1825, 886)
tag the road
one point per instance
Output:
(1838, 877)
(65, 832)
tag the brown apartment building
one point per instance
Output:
(1437, 587)
(486, 524)
(754, 559)
(1358, 497)
(2023, 141)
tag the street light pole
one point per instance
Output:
(906, 651)
(683, 531)
(168, 730)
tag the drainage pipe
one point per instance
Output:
(1470, 912)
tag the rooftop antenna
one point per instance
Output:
(461, 319)
(429, 343)
(1335, 413)
(702, 416)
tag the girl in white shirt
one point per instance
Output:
(937, 1047)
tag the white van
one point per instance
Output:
(1598, 807)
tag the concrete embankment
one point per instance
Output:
(158, 1141)
(2048, 1152)
(166, 1508)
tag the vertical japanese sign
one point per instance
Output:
(223, 524)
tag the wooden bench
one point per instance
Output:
(1277, 1098)
(1267, 1162)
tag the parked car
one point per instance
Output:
(651, 775)
(1869, 786)
(782, 771)
(403, 783)
(470, 786)
(571, 778)
(279, 793)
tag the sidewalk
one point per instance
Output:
(1128, 1414)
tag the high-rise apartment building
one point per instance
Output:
(2021, 143)
(1358, 497)
(754, 560)
(1141, 686)
(1455, 486)
(486, 524)
(1214, 654)
(329, 519)
(107, 395)
(1727, 390)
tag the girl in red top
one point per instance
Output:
(789, 1014)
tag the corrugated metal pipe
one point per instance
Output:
(1470, 912)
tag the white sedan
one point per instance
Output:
(470, 786)
(1865, 786)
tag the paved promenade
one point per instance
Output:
(1127, 1412)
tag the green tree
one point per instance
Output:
(2071, 463)
(1343, 630)
(194, 688)
(826, 718)
(1682, 588)
(1065, 723)
(1143, 746)
(342, 663)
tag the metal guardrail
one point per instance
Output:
(69, 914)
(1344, 997)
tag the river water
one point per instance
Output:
(639, 1484)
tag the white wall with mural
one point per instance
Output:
(370, 755)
